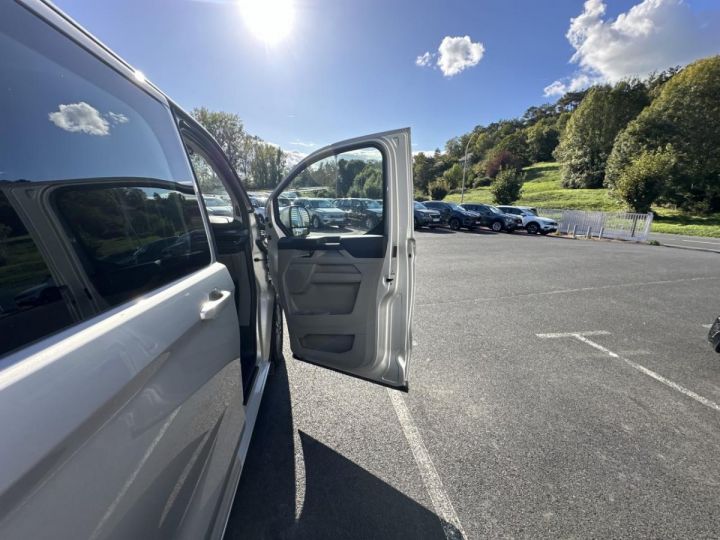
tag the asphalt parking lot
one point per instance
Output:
(607, 426)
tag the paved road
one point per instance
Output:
(529, 437)
(679, 240)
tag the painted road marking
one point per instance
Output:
(565, 291)
(702, 242)
(581, 336)
(573, 334)
(433, 484)
(708, 326)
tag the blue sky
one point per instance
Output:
(348, 68)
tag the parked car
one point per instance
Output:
(131, 377)
(424, 216)
(217, 206)
(258, 203)
(366, 213)
(532, 223)
(323, 213)
(454, 215)
(493, 218)
(714, 335)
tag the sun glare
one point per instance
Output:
(269, 20)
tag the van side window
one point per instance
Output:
(92, 161)
(215, 196)
(32, 303)
(133, 238)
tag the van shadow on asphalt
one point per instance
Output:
(342, 500)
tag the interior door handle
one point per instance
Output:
(217, 300)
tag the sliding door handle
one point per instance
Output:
(216, 301)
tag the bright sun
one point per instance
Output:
(269, 20)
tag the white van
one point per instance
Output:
(136, 326)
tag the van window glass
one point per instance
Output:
(32, 303)
(343, 193)
(214, 194)
(89, 149)
(74, 117)
(133, 238)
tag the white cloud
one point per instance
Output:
(651, 36)
(571, 84)
(454, 55)
(424, 59)
(457, 54)
(293, 157)
(80, 117)
(117, 118)
(303, 144)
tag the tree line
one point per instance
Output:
(650, 141)
(259, 165)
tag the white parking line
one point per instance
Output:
(564, 291)
(433, 484)
(701, 242)
(573, 334)
(580, 336)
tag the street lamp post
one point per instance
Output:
(467, 145)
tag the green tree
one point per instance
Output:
(500, 159)
(507, 186)
(686, 115)
(368, 182)
(641, 183)
(438, 189)
(542, 139)
(229, 132)
(453, 176)
(423, 172)
(257, 163)
(589, 135)
(348, 169)
(267, 165)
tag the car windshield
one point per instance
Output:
(495, 210)
(456, 207)
(258, 202)
(213, 201)
(374, 204)
(420, 206)
(529, 211)
(319, 203)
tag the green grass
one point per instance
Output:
(675, 222)
(543, 189)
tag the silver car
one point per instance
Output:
(137, 328)
(323, 212)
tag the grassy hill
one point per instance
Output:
(542, 188)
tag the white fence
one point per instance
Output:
(618, 225)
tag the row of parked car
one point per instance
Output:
(471, 215)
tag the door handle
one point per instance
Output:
(216, 301)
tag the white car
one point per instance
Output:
(323, 213)
(532, 223)
(137, 329)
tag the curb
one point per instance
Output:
(688, 248)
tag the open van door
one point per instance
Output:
(341, 253)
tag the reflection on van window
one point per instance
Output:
(133, 238)
(32, 305)
(92, 121)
